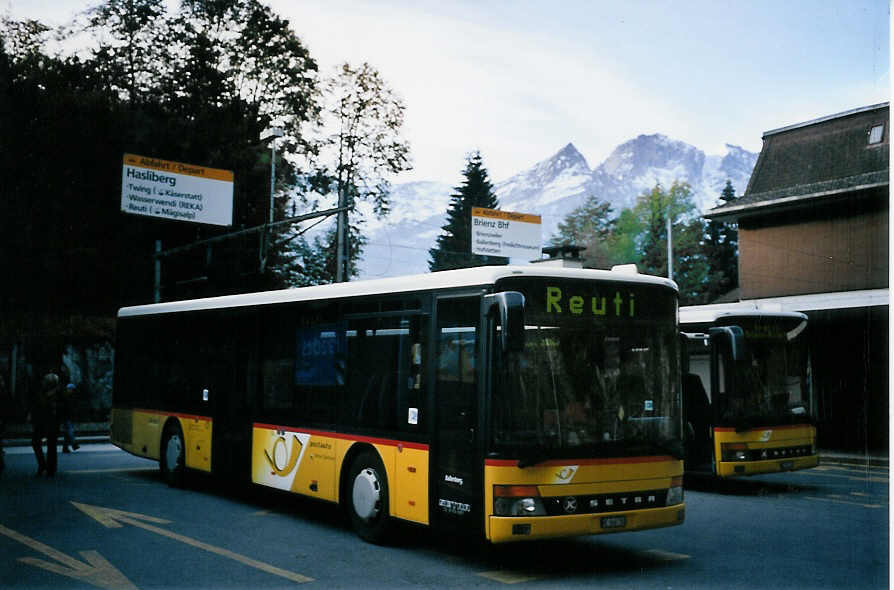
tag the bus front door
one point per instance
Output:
(457, 469)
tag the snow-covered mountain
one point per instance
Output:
(552, 188)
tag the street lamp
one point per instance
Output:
(270, 135)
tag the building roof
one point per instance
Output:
(819, 160)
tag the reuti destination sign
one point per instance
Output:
(173, 190)
(504, 233)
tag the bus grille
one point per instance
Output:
(599, 503)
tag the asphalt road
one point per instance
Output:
(108, 521)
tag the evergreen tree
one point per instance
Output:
(722, 251)
(454, 249)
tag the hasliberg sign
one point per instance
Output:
(173, 190)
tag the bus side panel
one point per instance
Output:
(310, 462)
(406, 468)
(143, 437)
(197, 439)
(294, 461)
(137, 432)
(411, 485)
(628, 480)
(776, 441)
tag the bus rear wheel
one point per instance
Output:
(172, 462)
(368, 498)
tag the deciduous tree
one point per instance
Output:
(592, 226)
(362, 147)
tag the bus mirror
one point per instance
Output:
(736, 338)
(511, 308)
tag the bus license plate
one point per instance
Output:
(787, 465)
(614, 522)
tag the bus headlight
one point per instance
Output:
(675, 492)
(733, 452)
(518, 501)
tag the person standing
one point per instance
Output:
(45, 424)
(6, 412)
(65, 407)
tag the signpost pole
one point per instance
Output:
(157, 290)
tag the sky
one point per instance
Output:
(518, 80)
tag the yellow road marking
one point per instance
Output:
(508, 577)
(97, 571)
(112, 518)
(837, 501)
(666, 555)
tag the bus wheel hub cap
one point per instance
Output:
(366, 494)
(173, 451)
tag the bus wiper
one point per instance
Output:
(748, 422)
(671, 446)
(536, 455)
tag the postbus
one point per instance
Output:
(510, 402)
(747, 395)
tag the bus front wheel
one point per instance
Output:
(368, 493)
(172, 461)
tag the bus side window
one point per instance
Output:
(277, 369)
(455, 363)
(383, 372)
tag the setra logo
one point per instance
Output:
(283, 460)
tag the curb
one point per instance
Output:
(81, 440)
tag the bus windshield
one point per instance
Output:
(598, 375)
(771, 384)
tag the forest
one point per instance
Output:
(200, 86)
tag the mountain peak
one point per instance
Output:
(566, 158)
(570, 156)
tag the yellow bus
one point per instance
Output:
(747, 395)
(511, 402)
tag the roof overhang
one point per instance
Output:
(790, 202)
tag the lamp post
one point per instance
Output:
(670, 246)
(271, 135)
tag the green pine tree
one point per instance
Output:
(722, 251)
(454, 246)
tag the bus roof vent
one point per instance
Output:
(629, 269)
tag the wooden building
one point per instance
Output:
(813, 237)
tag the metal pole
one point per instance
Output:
(272, 179)
(157, 293)
(265, 237)
(670, 248)
(340, 238)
